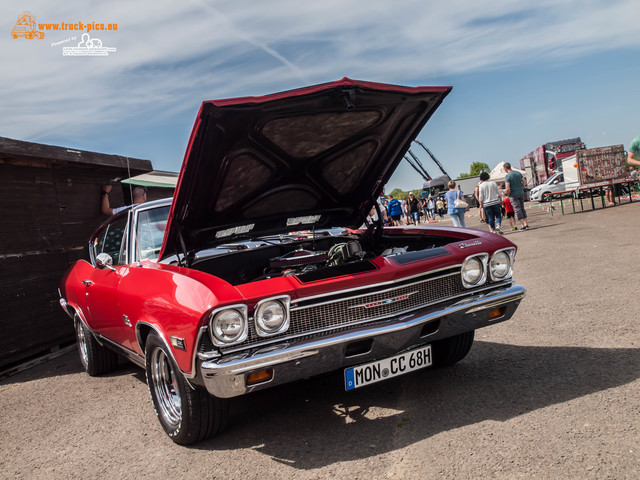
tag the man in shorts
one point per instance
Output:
(395, 210)
(514, 189)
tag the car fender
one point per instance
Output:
(174, 302)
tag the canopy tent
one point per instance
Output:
(156, 178)
(498, 173)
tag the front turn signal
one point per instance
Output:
(260, 376)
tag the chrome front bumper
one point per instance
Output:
(225, 377)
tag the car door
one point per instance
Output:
(102, 285)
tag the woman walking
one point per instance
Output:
(456, 213)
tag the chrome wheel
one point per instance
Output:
(82, 343)
(165, 387)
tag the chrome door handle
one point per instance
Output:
(87, 283)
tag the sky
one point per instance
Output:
(523, 72)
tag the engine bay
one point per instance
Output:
(313, 256)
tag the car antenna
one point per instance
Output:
(129, 176)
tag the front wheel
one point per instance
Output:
(453, 349)
(95, 359)
(187, 414)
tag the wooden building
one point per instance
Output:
(50, 200)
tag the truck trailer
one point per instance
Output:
(584, 168)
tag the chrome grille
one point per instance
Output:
(376, 305)
(353, 308)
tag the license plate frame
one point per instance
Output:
(390, 367)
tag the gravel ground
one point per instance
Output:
(552, 393)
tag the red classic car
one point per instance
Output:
(243, 281)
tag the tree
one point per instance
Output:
(476, 169)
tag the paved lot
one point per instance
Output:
(553, 393)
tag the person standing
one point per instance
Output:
(508, 209)
(405, 210)
(431, 208)
(440, 207)
(514, 189)
(395, 210)
(633, 173)
(633, 157)
(489, 198)
(139, 196)
(414, 209)
(456, 213)
(483, 217)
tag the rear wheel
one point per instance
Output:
(453, 349)
(187, 414)
(95, 359)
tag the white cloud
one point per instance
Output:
(171, 56)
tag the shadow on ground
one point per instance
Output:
(316, 423)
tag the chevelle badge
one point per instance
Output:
(470, 244)
(386, 301)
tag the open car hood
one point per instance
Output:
(315, 157)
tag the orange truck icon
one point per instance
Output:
(26, 27)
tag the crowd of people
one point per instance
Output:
(412, 210)
(495, 201)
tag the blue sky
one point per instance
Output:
(523, 73)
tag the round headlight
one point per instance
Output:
(500, 265)
(229, 326)
(271, 317)
(472, 272)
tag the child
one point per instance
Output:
(510, 213)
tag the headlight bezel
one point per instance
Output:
(510, 253)
(243, 313)
(261, 328)
(483, 259)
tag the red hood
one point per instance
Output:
(315, 157)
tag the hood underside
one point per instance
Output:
(315, 157)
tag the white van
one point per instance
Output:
(562, 181)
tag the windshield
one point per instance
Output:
(553, 178)
(150, 232)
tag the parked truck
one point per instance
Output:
(540, 164)
(584, 168)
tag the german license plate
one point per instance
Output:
(373, 372)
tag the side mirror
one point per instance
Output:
(104, 260)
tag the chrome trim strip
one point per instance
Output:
(65, 307)
(202, 356)
(169, 349)
(376, 285)
(135, 357)
(493, 304)
(295, 309)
